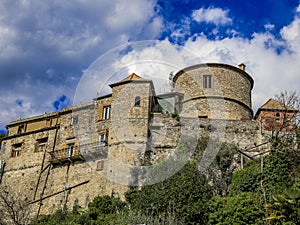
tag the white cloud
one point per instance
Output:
(272, 72)
(291, 34)
(216, 16)
(269, 27)
(46, 45)
(181, 31)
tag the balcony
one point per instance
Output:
(87, 152)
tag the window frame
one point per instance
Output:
(137, 101)
(41, 142)
(21, 128)
(100, 165)
(16, 150)
(102, 139)
(74, 120)
(207, 81)
(70, 149)
(106, 112)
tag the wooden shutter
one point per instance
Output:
(76, 148)
(106, 136)
(36, 146)
(63, 150)
(100, 165)
(100, 112)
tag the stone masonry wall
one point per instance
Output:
(132, 131)
(227, 83)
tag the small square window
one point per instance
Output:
(41, 147)
(41, 144)
(100, 165)
(74, 120)
(21, 129)
(16, 150)
(207, 81)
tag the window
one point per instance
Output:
(137, 101)
(277, 116)
(100, 165)
(16, 150)
(74, 120)
(21, 129)
(70, 150)
(106, 112)
(40, 145)
(102, 139)
(207, 81)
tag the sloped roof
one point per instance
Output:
(272, 104)
(130, 78)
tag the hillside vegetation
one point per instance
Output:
(265, 191)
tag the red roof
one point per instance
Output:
(131, 77)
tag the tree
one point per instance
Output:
(284, 135)
(276, 176)
(221, 170)
(183, 195)
(242, 209)
(286, 208)
(290, 100)
(13, 207)
(103, 210)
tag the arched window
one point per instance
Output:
(137, 101)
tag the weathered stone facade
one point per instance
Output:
(227, 96)
(92, 149)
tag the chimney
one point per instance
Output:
(242, 66)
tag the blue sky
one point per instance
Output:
(47, 46)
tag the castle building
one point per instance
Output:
(70, 156)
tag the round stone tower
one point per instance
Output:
(216, 91)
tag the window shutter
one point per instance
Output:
(36, 146)
(106, 135)
(100, 165)
(76, 148)
(100, 112)
(63, 150)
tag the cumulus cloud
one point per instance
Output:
(45, 46)
(291, 34)
(216, 16)
(273, 62)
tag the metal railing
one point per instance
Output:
(81, 152)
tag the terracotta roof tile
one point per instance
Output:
(274, 104)
(131, 77)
